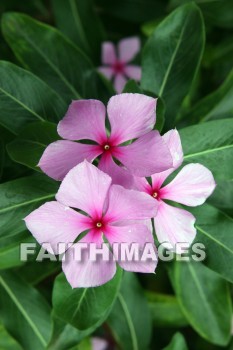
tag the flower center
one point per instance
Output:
(118, 67)
(155, 194)
(106, 147)
(99, 224)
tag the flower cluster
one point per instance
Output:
(112, 199)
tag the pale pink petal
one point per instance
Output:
(99, 343)
(85, 119)
(137, 236)
(85, 187)
(107, 72)
(192, 186)
(174, 225)
(55, 223)
(108, 53)
(149, 154)
(87, 273)
(128, 48)
(119, 175)
(131, 116)
(61, 156)
(141, 184)
(119, 83)
(127, 204)
(172, 139)
(133, 72)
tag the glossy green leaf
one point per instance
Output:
(130, 319)
(25, 313)
(214, 230)
(216, 12)
(210, 144)
(217, 105)
(18, 198)
(171, 57)
(66, 336)
(205, 300)
(165, 310)
(6, 341)
(30, 144)
(222, 198)
(78, 20)
(24, 98)
(84, 307)
(53, 57)
(177, 343)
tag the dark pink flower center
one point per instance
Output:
(118, 67)
(155, 193)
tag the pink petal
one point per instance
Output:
(119, 83)
(139, 234)
(192, 186)
(119, 175)
(147, 155)
(174, 225)
(128, 48)
(141, 184)
(54, 223)
(61, 156)
(107, 72)
(87, 273)
(131, 116)
(85, 187)
(99, 344)
(85, 119)
(129, 205)
(172, 139)
(133, 72)
(108, 53)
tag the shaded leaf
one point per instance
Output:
(177, 343)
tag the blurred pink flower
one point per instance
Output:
(116, 60)
(118, 213)
(131, 116)
(191, 187)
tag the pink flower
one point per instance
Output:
(131, 116)
(191, 187)
(107, 209)
(116, 62)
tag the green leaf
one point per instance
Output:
(132, 10)
(130, 319)
(18, 198)
(65, 336)
(84, 307)
(24, 98)
(53, 57)
(177, 343)
(217, 105)
(132, 87)
(77, 19)
(172, 56)
(25, 313)
(165, 310)
(214, 231)
(205, 300)
(6, 341)
(210, 144)
(216, 12)
(30, 144)
(222, 198)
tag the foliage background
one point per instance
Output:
(187, 61)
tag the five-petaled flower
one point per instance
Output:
(116, 60)
(121, 215)
(131, 116)
(191, 187)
